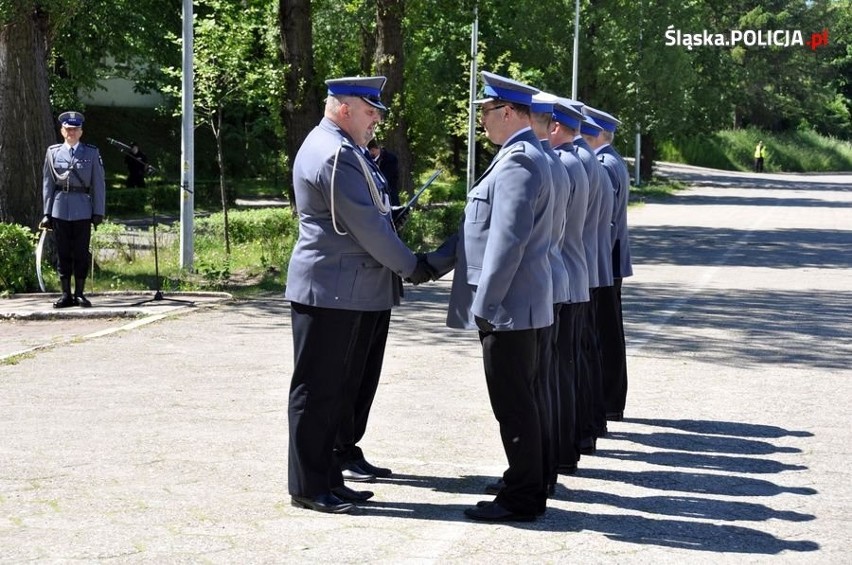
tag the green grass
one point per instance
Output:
(656, 189)
(796, 151)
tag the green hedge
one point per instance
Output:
(17, 264)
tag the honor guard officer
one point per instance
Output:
(74, 195)
(342, 281)
(503, 287)
(611, 327)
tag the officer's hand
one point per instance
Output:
(423, 272)
(400, 215)
(46, 223)
(96, 220)
(484, 325)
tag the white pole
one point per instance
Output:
(187, 158)
(636, 168)
(471, 125)
(576, 62)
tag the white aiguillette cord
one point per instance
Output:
(58, 177)
(379, 200)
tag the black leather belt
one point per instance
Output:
(60, 188)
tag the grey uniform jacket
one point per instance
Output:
(358, 268)
(562, 186)
(500, 254)
(613, 163)
(573, 251)
(86, 189)
(594, 170)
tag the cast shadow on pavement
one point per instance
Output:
(689, 507)
(715, 427)
(701, 461)
(726, 179)
(790, 248)
(758, 200)
(762, 326)
(699, 443)
(700, 483)
(682, 534)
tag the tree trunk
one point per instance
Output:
(301, 110)
(26, 122)
(390, 62)
(647, 154)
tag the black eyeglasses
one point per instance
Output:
(486, 110)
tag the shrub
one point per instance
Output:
(274, 229)
(17, 265)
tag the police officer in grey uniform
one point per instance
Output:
(551, 359)
(566, 127)
(343, 277)
(503, 287)
(612, 326)
(74, 194)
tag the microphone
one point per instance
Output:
(121, 146)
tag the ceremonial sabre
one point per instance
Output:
(38, 254)
(414, 198)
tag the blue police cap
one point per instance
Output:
(369, 89)
(542, 103)
(590, 127)
(601, 118)
(567, 112)
(505, 90)
(71, 119)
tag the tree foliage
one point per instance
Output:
(266, 62)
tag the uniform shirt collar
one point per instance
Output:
(516, 135)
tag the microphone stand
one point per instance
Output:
(158, 293)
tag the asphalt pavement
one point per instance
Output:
(160, 436)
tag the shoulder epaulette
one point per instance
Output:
(55, 145)
(90, 145)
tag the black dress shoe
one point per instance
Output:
(381, 472)
(81, 300)
(614, 416)
(588, 446)
(493, 512)
(327, 503)
(496, 487)
(65, 301)
(353, 472)
(343, 492)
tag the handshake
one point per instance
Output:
(423, 272)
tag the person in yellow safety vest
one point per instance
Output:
(759, 156)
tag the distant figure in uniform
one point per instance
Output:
(503, 287)
(74, 195)
(389, 165)
(343, 279)
(137, 165)
(759, 156)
